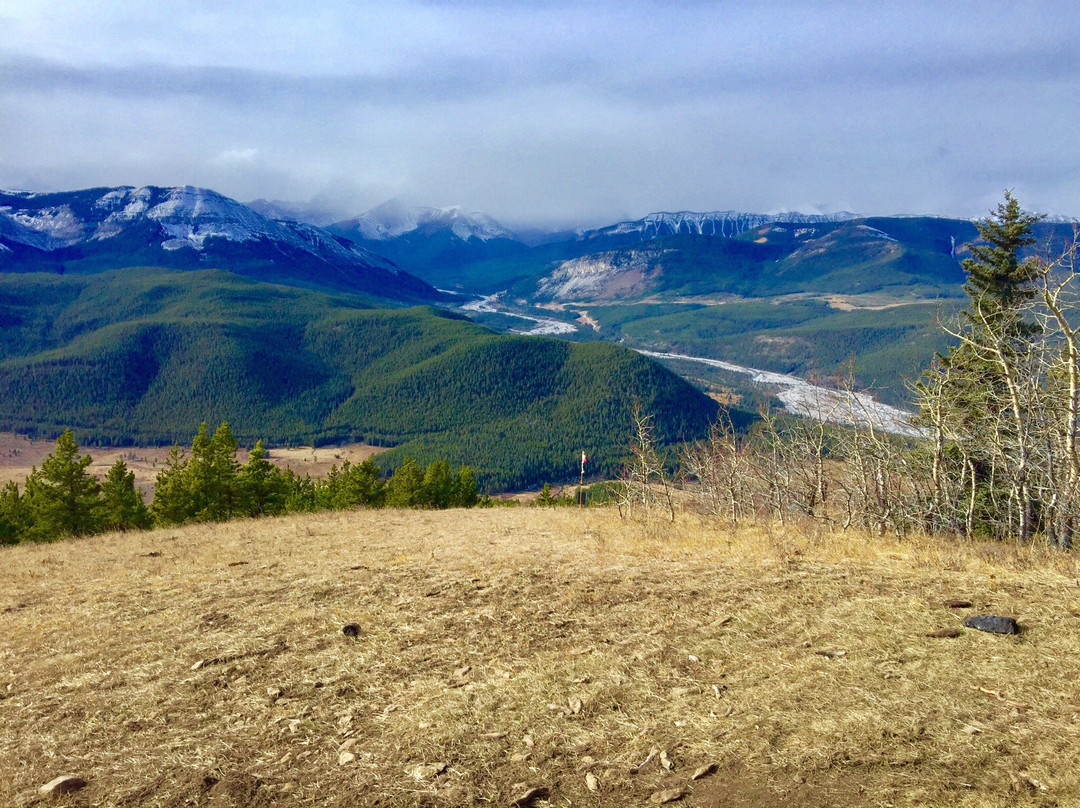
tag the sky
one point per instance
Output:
(548, 113)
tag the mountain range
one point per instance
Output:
(134, 313)
(188, 228)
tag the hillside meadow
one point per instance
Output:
(518, 656)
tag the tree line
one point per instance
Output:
(209, 484)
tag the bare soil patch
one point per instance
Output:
(556, 653)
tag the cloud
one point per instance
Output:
(553, 111)
(236, 157)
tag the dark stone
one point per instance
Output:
(992, 623)
(351, 630)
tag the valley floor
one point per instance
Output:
(20, 454)
(503, 650)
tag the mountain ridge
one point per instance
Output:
(183, 227)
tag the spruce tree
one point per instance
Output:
(405, 488)
(223, 499)
(465, 493)
(974, 399)
(13, 516)
(122, 506)
(437, 490)
(63, 497)
(262, 487)
(172, 503)
(999, 282)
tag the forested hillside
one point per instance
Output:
(145, 355)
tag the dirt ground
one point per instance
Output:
(552, 657)
(18, 454)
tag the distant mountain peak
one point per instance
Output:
(395, 218)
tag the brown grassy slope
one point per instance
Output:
(206, 666)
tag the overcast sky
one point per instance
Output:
(547, 112)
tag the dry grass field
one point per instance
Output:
(19, 454)
(525, 656)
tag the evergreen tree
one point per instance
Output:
(212, 475)
(300, 492)
(437, 489)
(325, 491)
(122, 506)
(64, 495)
(13, 516)
(198, 473)
(358, 485)
(975, 398)
(465, 492)
(263, 488)
(545, 499)
(405, 488)
(223, 499)
(998, 281)
(172, 503)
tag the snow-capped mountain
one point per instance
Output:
(394, 218)
(187, 227)
(433, 243)
(727, 223)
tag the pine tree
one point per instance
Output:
(465, 492)
(301, 494)
(359, 485)
(197, 476)
(63, 494)
(437, 489)
(223, 500)
(405, 488)
(212, 475)
(262, 487)
(172, 504)
(122, 506)
(13, 517)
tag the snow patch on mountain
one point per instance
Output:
(192, 215)
(725, 223)
(310, 213)
(51, 227)
(394, 218)
(186, 217)
(873, 231)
